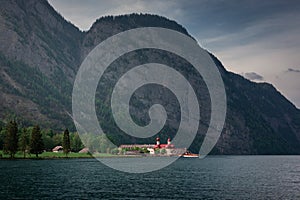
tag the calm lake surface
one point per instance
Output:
(215, 177)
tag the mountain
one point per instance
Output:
(40, 54)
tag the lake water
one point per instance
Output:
(215, 177)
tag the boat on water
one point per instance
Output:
(190, 155)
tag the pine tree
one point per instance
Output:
(24, 141)
(36, 142)
(66, 142)
(11, 139)
(76, 144)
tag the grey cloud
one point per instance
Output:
(253, 76)
(293, 70)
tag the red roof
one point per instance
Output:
(160, 146)
(137, 145)
(164, 146)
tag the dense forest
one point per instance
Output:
(33, 140)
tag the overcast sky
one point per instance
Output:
(257, 39)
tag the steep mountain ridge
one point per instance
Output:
(110, 25)
(40, 53)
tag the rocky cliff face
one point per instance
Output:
(40, 54)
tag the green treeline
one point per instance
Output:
(34, 140)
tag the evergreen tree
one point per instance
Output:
(48, 142)
(2, 138)
(36, 142)
(11, 139)
(24, 141)
(66, 142)
(76, 144)
(50, 133)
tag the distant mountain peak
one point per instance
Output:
(135, 20)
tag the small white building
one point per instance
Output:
(57, 149)
(84, 150)
(161, 149)
(151, 151)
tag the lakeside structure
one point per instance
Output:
(152, 149)
(57, 149)
(156, 149)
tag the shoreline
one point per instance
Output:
(118, 156)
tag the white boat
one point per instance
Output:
(190, 155)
